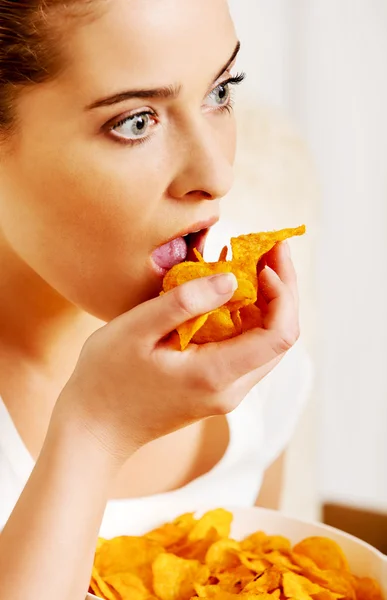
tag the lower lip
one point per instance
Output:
(158, 270)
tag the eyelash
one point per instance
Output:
(233, 81)
(236, 80)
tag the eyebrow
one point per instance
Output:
(170, 91)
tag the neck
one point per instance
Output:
(37, 325)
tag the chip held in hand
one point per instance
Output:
(239, 314)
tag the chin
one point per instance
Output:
(116, 304)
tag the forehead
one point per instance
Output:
(150, 43)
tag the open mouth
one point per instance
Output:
(196, 241)
(179, 250)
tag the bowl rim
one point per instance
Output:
(313, 523)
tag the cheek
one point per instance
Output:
(233, 145)
(73, 205)
(229, 141)
(80, 223)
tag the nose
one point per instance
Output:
(205, 165)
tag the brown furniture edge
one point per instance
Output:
(367, 525)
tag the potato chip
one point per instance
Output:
(210, 592)
(133, 555)
(338, 582)
(325, 553)
(198, 255)
(367, 589)
(296, 586)
(190, 328)
(213, 591)
(218, 327)
(278, 559)
(269, 581)
(276, 543)
(192, 558)
(223, 254)
(247, 250)
(186, 522)
(236, 319)
(219, 324)
(244, 295)
(127, 585)
(225, 322)
(218, 519)
(171, 533)
(174, 577)
(100, 542)
(223, 555)
(187, 271)
(327, 595)
(254, 542)
(100, 588)
(259, 542)
(196, 549)
(255, 564)
(234, 580)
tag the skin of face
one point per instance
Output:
(86, 196)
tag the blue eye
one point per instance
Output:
(134, 127)
(221, 94)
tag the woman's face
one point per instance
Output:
(129, 148)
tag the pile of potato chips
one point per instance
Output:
(240, 314)
(192, 558)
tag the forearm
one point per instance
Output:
(47, 546)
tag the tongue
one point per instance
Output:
(171, 254)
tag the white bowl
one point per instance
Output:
(364, 560)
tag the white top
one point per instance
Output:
(260, 429)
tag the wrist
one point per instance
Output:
(72, 423)
(72, 434)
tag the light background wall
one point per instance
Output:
(324, 64)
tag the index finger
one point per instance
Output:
(279, 259)
(234, 358)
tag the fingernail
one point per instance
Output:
(224, 283)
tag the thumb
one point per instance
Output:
(159, 317)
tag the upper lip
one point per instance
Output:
(199, 226)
